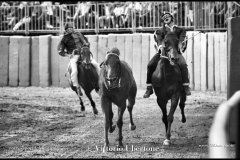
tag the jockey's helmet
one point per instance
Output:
(167, 18)
(68, 25)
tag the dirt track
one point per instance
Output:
(40, 122)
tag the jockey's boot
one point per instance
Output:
(185, 78)
(79, 92)
(148, 92)
(187, 90)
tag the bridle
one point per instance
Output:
(109, 81)
(81, 52)
(167, 55)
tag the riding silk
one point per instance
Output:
(160, 34)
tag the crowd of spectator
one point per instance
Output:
(43, 15)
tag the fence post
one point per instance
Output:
(27, 23)
(133, 19)
(195, 15)
(61, 20)
(97, 18)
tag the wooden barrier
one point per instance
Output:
(63, 64)
(203, 77)
(24, 62)
(197, 62)
(145, 58)
(210, 62)
(93, 40)
(13, 60)
(217, 62)
(37, 61)
(129, 50)
(121, 45)
(44, 60)
(4, 63)
(102, 47)
(137, 52)
(55, 78)
(188, 55)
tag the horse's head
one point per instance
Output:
(86, 56)
(171, 49)
(112, 67)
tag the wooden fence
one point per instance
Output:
(34, 61)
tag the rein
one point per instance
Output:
(168, 58)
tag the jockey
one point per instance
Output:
(159, 35)
(74, 40)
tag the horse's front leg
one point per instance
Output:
(174, 103)
(105, 103)
(121, 109)
(131, 102)
(95, 111)
(112, 127)
(182, 106)
(163, 105)
(82, 107)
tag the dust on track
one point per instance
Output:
(38, 122)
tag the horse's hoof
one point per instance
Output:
(183, 120)
(132, 127)
(95, 111)
(166, 142)
(111, 129)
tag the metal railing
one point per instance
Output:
(115, 17)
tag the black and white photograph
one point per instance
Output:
(119, 79)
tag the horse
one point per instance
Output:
(87, 77)
(167, 83)
(117, 86)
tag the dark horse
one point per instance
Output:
(117, 85)
(87, 76)
(167, 83)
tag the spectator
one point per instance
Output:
(128, 14)
(81, 14)
(21, 17)
(218, 135)
(119, 15)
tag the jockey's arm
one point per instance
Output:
(158, 37)
(182, 40)
(83, 39)
(61, 48)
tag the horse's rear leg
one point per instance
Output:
(95, 111)
(131, 102)
(182, 106)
